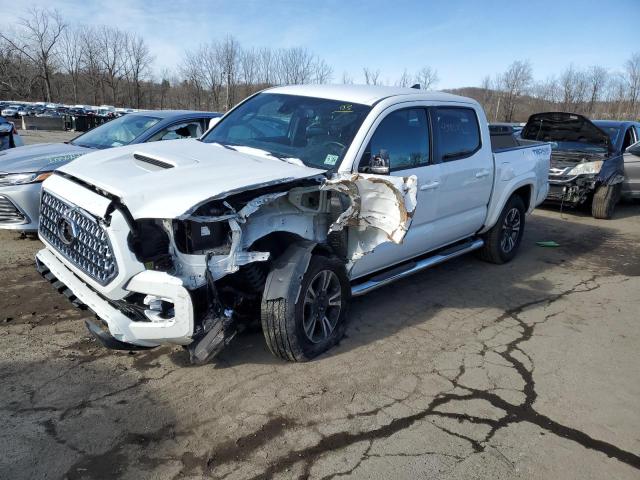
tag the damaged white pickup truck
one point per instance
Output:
(298, 199)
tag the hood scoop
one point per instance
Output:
(151, 163)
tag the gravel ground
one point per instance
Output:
(469, 370)
(43, 136)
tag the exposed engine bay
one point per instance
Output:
(221, 248)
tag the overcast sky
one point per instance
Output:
(463, 40)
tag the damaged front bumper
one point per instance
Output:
(573, 191)
(156, 328)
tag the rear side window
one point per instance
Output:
(457, 133)
(403, 136)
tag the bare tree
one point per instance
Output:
(36, 39)
(322, 71)
(113, 44)
(346, 78)
(371, 77)
(267, 66)
(91, 62)
(427, 77)
(165, 86)
(632, 79)
(573, 87)
(404, 80)
(18, 74)
(295, 66)
(597, 78)
(138, 60)
(513, 83)
(194, 73)
(71, 54)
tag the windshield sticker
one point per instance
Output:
(345, 108)
(331, 159)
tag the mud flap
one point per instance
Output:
(381, 209)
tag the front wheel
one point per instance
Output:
(501, 242)
(301, 328)
(604, 201)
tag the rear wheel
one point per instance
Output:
(604, 201)
(501, 242)
(299, 329)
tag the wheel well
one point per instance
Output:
(524, 193)
(277, 242)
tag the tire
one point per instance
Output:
(284, 319)
(502, 241)
(604, 201)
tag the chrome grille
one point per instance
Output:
(9, 213)
(89, 248)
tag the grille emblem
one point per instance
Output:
(67, 229)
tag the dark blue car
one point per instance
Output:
(23, 169)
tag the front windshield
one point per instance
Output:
(613, 133)
(116, 133)
(315, 131)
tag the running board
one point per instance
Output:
(410, 268)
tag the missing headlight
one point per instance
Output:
(201, 237)
(151, 245)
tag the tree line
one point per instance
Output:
(42, 57)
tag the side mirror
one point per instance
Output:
(379, 164)
(634, 149)
(213, 122)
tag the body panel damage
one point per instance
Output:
(379, 210)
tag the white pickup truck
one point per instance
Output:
(300, 198)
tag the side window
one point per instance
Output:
(191, 129)
(403, 136)
(456, 133)
(628, 138)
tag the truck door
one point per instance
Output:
(403, 136)
(465, 173)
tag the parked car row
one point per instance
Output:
(17, 110)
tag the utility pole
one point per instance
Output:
(228, 105)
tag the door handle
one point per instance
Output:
(482, 173)
(430, 186)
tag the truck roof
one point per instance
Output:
(365, 94)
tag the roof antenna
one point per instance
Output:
(416, 86)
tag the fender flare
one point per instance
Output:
(285, 277)
(497, 210)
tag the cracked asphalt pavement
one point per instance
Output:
(469, 370)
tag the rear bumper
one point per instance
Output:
(24, 200)
(152, 332)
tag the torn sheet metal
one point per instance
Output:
(381, 208)
(221, 265)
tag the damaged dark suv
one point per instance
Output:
(587, 167)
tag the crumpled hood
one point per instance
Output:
(35, 158)
(167, 179)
